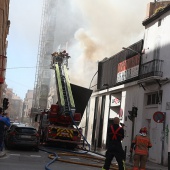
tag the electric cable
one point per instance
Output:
(26, 67)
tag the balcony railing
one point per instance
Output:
(151, 68)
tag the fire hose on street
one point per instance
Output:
(98, 161)
(95, 159)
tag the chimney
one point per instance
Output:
(156, 6)
(150, 9)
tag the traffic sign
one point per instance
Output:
(158, 117)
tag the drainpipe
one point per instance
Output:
(168, 150)
(132, 136)
(168, 146)
(163, 140)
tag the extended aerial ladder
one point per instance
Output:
(59, 123)
(65, 96)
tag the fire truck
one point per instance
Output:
(60, 123)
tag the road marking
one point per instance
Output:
(38, 156)
(15, 154)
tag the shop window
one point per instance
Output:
(154, 98)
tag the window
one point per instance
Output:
(25, 130)
(154, 98)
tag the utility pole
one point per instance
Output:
(132, 136)
(132, 115)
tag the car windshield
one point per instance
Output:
(25, 130)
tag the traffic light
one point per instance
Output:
(134, 111)
(5, 104)
(130, 116)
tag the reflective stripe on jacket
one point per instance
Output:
(142, 143)
(115, 132)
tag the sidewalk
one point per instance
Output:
(149, 165)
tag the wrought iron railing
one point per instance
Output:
(151, 68)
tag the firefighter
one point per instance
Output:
(141, 145)
(115, 136)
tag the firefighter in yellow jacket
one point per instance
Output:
(141, 145)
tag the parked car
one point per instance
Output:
(22, 135)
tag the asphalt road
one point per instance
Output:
(27, 159)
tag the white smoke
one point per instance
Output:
(110, 25)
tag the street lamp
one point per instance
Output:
(88, 106)
(92, 79)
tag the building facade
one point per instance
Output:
(15, 105)
(53, 38)
(27, 105)
(138, 77)
(4, 29)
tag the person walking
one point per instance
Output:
(140, 145)
(115, 136)
(4, 122)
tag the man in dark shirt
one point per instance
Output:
(115, 136)
(4, 121)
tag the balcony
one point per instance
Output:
(151, 69)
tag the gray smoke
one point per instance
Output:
(107, 26)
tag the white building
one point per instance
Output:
(157, 48)
(137, 76)
(27, 105)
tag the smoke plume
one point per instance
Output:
(108, 26)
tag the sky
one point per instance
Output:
(23, 40)
(107, 26)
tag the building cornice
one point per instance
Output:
(114, 89)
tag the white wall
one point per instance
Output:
(106, 115)
(160, 35)
(91, 118)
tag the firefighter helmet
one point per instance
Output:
(143, 130)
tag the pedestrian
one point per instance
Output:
(140, 145)
(4, 122)
(115, 135)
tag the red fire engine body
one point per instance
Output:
(60, 123)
